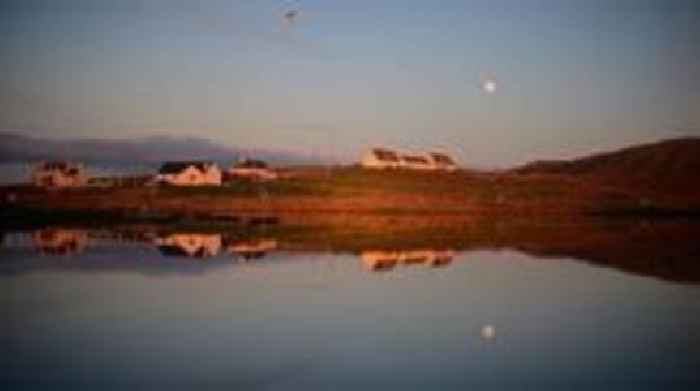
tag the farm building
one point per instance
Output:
(251, 169)
(59, 174)
(442, 161)
(194, 173)
(415, 162)
(384, 158)
(380, 158)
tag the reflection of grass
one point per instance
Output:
(665, 248)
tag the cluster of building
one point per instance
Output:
(205, 173)
(199, 245)
(62, 242)
(384, 158)
(180, 173)
(56, 241)
(59, 174)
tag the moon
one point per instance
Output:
(489, 86)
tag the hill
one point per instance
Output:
(20, 148)
(671, 161)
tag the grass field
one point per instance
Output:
(354, 190)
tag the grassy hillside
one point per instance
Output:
(664, 174)
(670, 160)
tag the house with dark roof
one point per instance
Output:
(58, 174)
(380, 158)
(189, 173)
(384, 158)
(415, 162)
(442, 161)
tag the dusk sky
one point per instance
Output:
(573, 77)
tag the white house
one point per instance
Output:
(194, 173)
(415, 162)
(380, 158)
(59, 174)
(441, 161)
(383, 158)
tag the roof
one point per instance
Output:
(414, 159)
(441, 158)
(385, 155)
(58, 165)
(63, 167)
(250, 163)
(176, 167)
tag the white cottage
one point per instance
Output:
(441, 161)
(383, 158)
(193, 173)
(415, 162)
(59, 174)
(380, 158)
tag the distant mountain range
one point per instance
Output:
(15, 147)
(669, 161)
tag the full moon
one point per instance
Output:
(489, 86)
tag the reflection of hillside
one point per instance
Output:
(251, 249)
(662, 248)
(60, 241)
(189, 245)
(377, 260)
(666, 249)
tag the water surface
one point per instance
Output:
(94, 310)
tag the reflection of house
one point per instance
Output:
(254, 249)
(251, 169)
(59, 241)
(59, 174)
(380, 260)
(385, 260)
(190, 245)
(380, 158)
(383, 158)
(193, 173)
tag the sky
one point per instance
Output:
(573, 77)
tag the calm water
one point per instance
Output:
(84, 310)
